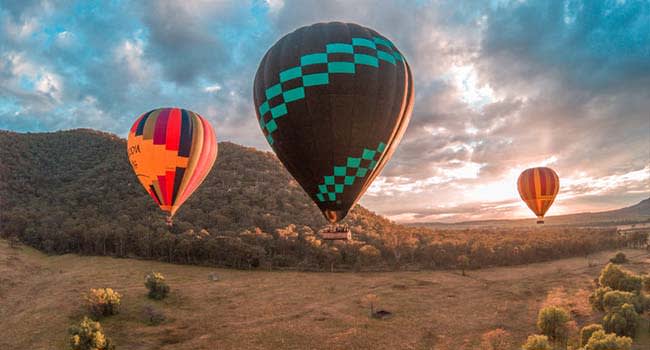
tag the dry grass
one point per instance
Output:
(41, 295)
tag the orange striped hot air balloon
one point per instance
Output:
(171, 150)
(538, 188)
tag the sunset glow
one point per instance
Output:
(500, 86)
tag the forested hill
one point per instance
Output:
(74, 191)
(84, 175)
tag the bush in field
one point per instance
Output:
(619, 258)
(596, 298)
(103, 302)
(615, 299)
(622, 321)
(587, 331)
(602, 341)
(158, 288)
(152, 315)
(616, 278)
(553, 322)
(88, 335)
(498, 339)
(537, 342)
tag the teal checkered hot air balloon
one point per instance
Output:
(333, 101)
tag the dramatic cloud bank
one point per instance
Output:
(500, 86)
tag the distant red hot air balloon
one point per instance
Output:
(172, 151)
(538, 188)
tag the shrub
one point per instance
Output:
(601, 341)
(152, 315)
(646, 283)
(158, 288)
(619, 258)
(587, 331)
(632, 283)
(618, 279)
(553, 322)
(537, 342)
(615, 299)
(103, 302)
(88, 335)
(622, 321)
(497, 339)
(596, 298)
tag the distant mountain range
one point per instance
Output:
(639, 212)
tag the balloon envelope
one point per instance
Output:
(171, 151)
(538, 188)
(333, 100)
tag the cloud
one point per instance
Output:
(499, 86)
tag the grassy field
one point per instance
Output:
(40, 296)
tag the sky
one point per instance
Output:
(500, 86)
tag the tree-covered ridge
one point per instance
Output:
(74, 191)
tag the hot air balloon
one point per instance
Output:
(171, 150)
(538, 188)
(333, 100)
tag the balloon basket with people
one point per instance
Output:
(335, 232)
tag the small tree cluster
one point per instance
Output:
(88, 335)
(537, 342)
(587, 331)
(621, 297)
(158, 288)
(553, 322)
(616, 278)
(600, 340)
(103, 302)
(615, 299)
(619, 258)
(622, 321)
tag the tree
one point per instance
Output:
(103, 302)
(537, 342)
(601, 341)
(587, 331)
(618, 279)
(498, 339)
(596, 298)
(615, 299)
(89, 335)
(622, 321)
(553, 322)
(463, 263)
(158, 288)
